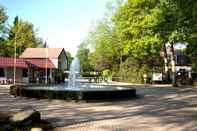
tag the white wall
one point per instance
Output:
(55, 62)
(60, 62)
(9, 72)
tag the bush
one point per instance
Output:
(131, 71)
(59, 76)
(90, 74)
(106, 73)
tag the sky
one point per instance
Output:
(62, 23)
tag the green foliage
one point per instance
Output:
(191, 52)
(132, 71)
(59, 76)
(106, 53)
(3, 19)
(69, 58)
(134, 22)
(90, 74)
(23, 34)
(178, 19)
(106, 73)
(83, 55)
(138, 30)
(3, 31)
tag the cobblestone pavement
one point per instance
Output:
(157, 109)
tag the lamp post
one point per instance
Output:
(15, 41)
(46, 62)
(15, 58)
(46, 74)
(16, 22)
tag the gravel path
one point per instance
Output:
(157, 109)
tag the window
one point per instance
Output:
(25, 73)
(2, 73)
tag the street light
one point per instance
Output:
(15, 59)
(15, 42)
(46, 74)
(46, 62)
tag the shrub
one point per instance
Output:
(59, 76)
(132, 71)
(90, 74)
(106, 73)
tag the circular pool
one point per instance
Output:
(82, 92)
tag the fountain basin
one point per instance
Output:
(85, 92)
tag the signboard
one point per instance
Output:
(145, 76)
(157, 77)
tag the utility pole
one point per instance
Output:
(46, 73)
(15, 58)
(15, 42)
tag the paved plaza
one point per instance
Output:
(156, 109)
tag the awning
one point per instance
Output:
(25, 63)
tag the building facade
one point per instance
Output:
(56, 55)
(35, 65)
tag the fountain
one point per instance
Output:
(74, 73)
(74, 90)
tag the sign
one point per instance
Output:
(157, 77)
(145, 76)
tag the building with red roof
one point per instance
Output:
(33, 65)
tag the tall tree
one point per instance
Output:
(105, 55)
(23, 33)
(177, 23)
(134, 21)
(3, 19)
(83, 55)
(3, 31)
(138, 31)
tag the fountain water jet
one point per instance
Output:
(74, 73)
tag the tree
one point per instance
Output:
(105, 55)
(134, 21)
(3, 19)
(3, 31)
(138, 31)
(23, 33)
(177, 23)
(69, 59)
(134, 24)
(83, 55)
(187, 23)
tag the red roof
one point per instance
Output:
(40, 63)
(41, 53)
(9, 62)
(24, 63)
